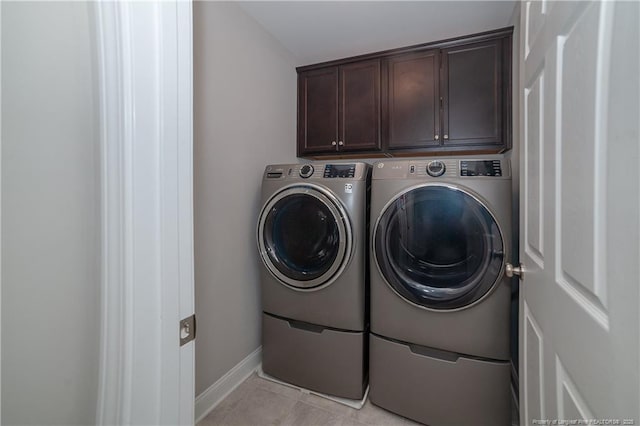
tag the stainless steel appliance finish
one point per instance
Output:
(314, 357)
(440, 302)
(312, 243)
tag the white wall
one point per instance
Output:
(50, 219)
(244, 119)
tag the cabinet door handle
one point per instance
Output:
(446, 136)
(333, 143)
(341, 143)
(436, 137)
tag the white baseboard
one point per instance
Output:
(210, 398)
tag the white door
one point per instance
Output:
(144, 58)
(579, 322)
(579, 327)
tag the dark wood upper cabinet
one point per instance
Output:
(318, 111)
(451, 96)
(339, 109)
(360, 106)
(413, 100)
(472, 109)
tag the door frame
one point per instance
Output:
(0, 204)
(144, 84)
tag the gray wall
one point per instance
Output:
(244, 119)
(50, 216)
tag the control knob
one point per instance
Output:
(306, 171)
(435, 168)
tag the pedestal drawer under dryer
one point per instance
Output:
(436, 387)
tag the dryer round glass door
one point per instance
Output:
(438, 247)
(304, 236)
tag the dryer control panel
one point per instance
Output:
(480, 168)
(443, 168)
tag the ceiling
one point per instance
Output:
(318, 31)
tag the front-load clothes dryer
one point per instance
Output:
(440, 303)
(312, 242)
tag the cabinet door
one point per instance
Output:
(360, 106)
(318, 111)
(472, 88)
(413, 100)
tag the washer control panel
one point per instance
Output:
(311, 171)
(480, 168)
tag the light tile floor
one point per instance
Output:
(260, 402)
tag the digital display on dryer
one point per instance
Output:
(480, 168)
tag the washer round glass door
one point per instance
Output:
(438, 247)
(304, 236)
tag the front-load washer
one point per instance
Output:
(440, 303)
(312, 241)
